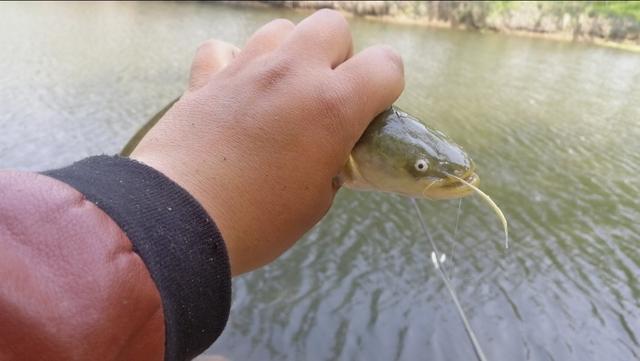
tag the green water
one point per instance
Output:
(554, 129)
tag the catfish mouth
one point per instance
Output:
(451, 188)
(472, 179)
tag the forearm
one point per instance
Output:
(118, 263)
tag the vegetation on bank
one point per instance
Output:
(620, 9)
(630, 9)
(614, 23)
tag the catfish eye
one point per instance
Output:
(421, 165)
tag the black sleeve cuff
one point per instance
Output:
(175, 237)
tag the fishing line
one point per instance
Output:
(447, 283)
(455, 233)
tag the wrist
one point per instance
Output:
(210, 195)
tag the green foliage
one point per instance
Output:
(630, 9)
(625, 9)
(500, 7)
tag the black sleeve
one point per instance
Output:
(176, 239)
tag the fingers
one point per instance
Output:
(375, 79)
(267, 38)
(211, 57)
(325, 36)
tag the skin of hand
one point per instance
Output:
(258, 142)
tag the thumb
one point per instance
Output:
(211, 57)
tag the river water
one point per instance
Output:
(553, 127)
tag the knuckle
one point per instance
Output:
(330, 13)
(275, 70)
(282, 24)
(208, 45)
(390, 55)
(216, 48)
(332, 101)
(335, 17)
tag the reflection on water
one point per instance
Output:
(553, 128)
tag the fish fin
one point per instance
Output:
(351, 177)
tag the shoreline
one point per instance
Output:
(531, 19)
(560, 37)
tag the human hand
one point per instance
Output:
(259, 142)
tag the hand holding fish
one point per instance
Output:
(260, 142)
